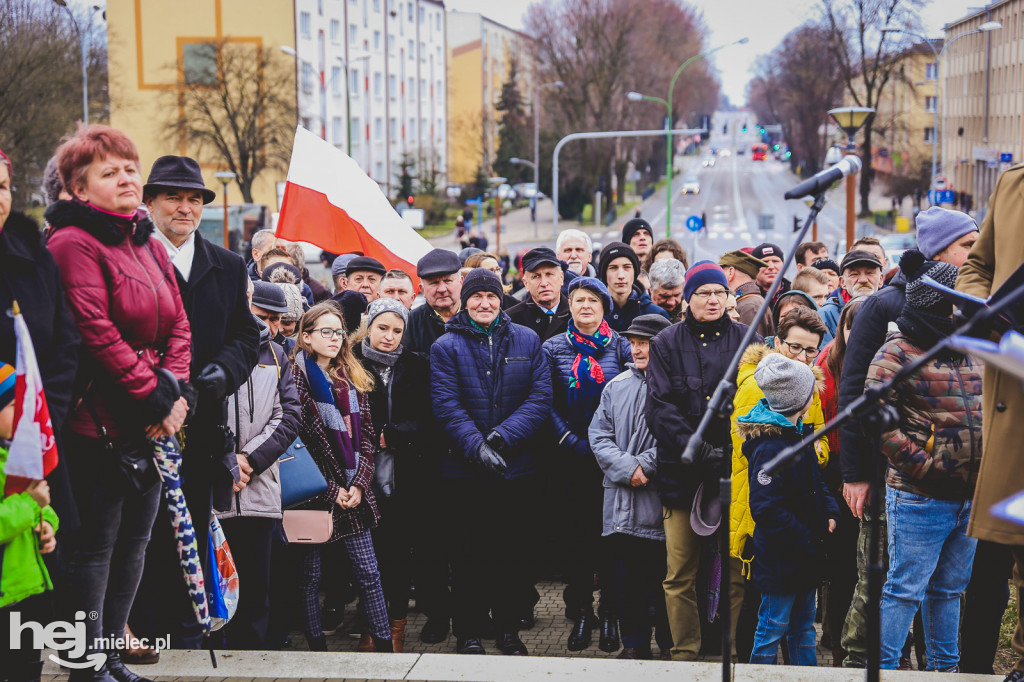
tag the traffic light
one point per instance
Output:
(777, 146)
(410, 199)
(760, 129)
(744, 127)
(796, 224)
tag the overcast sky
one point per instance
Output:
(765, 23)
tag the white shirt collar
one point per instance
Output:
(182, 255)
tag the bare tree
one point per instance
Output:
(236, 106)
(41, 86)
(866, 57)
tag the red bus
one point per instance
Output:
(759, 152)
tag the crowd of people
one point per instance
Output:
(531, 432)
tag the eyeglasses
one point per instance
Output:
(331, 333)
(718, 293)
(496, 269)
(796, 349)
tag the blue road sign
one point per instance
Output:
(944, 196)
(1006, 157)
(694, 223)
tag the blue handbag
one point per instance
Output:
(301, 479)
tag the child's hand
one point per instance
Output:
(39, 491)
(47, 539)
(831, 525)
(7, 422)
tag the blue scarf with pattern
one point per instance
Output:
(341, 421)
(587, 374)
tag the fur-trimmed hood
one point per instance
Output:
(108, 228)
(28, 239)
(764, 421)
(756, 352)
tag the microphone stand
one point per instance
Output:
(878, 416)
(716, 423)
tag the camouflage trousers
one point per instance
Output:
(855, 630)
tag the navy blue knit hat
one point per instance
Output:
(479, 279)
(596, 287)
(701, 273)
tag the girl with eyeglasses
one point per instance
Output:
(336, 425)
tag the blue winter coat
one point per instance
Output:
(639, 303)
(482, 383)
(791, 508)
(571, 420)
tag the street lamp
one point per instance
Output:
(536, 143)
(850, 119)
(516, 161)
(640, 97)
(497, 182)
(225, 177)
(984, 28)
(288, 50)
(85, 56)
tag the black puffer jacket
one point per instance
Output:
(687, 361)
(866, 337)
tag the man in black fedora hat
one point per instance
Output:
(225, 345)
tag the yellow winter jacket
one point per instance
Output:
(748, 393)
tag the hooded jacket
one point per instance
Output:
(622, 442)
(748, 395)
(791, 508)
(264, 417)
(935, 450)
(805, 299)
(639, 303)
(484, 382)
(123, 294)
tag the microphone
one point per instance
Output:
(824, 179)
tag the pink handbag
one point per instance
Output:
(308, 526)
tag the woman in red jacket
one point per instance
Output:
(134, 362)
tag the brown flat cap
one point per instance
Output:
(743, 262)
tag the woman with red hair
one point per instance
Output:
(131, 383)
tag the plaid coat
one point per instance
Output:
(365, 516)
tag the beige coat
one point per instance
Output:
(1002, 468)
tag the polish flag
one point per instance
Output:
(330, 201)
(33, 451)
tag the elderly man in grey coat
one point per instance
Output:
(625, 451)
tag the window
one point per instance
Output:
(357, 133)
(411, 130)
(307, 122)
(423, 87)
(378, 82)
(930, 104)
(423, 129)
(392, 130)
(422, 15)
(378, 129)
(423, 50)
(929, 135)
(391, 44)
(411, 49)
(378, 171)
(304, 25)
(353, 33)
(336, 81)
(353, 83)
(392, 86)
(411, 91)
(437, 91)
(200, 63)
(376, 41)
(438, 17)
(320, 7)
(931, 71)
(409, 5)
(335, 31)
(307, 78)
(337, 130)
(376, 6)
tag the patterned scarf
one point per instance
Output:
(587, 375)
(341, 422)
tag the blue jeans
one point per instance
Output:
(789, 615)
(930, 558)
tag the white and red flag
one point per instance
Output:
(33, 451)
(329, 201)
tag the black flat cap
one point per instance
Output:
(367, 263)
(647, 326)
(438, 262)
(269, 296)
(176, 172)
(859, 257)
(541, 255)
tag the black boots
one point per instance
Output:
(609, 635)
(434, 631)
(318, 643)
(120, 673)
(509, 644)
(579, 637)
(470, 645)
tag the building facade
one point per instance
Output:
(372, 80)
(983, 78)
(480, 56)
(152, 48)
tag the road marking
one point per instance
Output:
(740, 218)
(746, 236)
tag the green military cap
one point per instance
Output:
(742, 261)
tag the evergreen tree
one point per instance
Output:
(514, 132)
(405, 178)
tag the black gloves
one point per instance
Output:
(496, 442)
(213, 381)
(491, 460)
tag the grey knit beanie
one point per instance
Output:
(386, 305)
(939, 227)
(787, 384)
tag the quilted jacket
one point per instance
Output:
(748, 394)
(364, 516)
(936, 448)
(123, 294)
(489, 382)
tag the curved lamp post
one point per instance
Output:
(225, 178)
(85, 56)
(850, 119)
